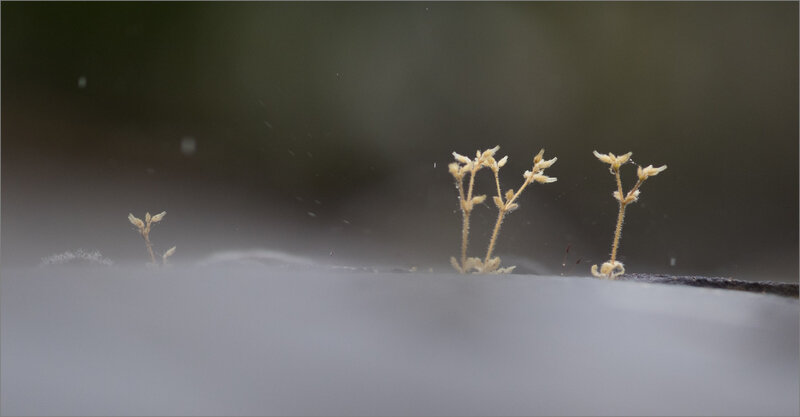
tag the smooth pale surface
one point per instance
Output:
(272, 340)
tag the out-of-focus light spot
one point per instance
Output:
(188, 145)
(672, 261)
(82, 82)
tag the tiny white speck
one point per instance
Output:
(81, 82)
(672, 261)
(312, 214)
(434, 164)
(267, 124)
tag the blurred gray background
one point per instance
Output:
(325, 130)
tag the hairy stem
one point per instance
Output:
(618, 231)
(495, 232)
(635, 187)
(521, 188)
(471, 182)
(465, 222)
(497, 182)
(464, 239)
(146, 235)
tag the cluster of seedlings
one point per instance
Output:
(464, 167)
(143, 227)
(505, 203)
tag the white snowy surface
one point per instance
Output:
(260, 339)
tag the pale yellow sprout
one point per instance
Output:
(614, 268)
(454, 170)
(167, 254)
(613, 160)
(545, 164)
(461, 158)
(502, 162)
(504, 205)
(136, 221)
(159, 216)
(538, 157)
(604, 158)
(649, 171)
(543, 179)
(143, 228)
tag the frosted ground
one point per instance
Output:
(225, 338)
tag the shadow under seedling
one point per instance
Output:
(144, 230)
(614, 268)
(459, 170)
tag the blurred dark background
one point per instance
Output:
(325, 130)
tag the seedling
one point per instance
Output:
(505, 204)
(144, 230)
(614, 268)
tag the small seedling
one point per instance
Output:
(505, 204)
(614, 268)
(144, 230)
